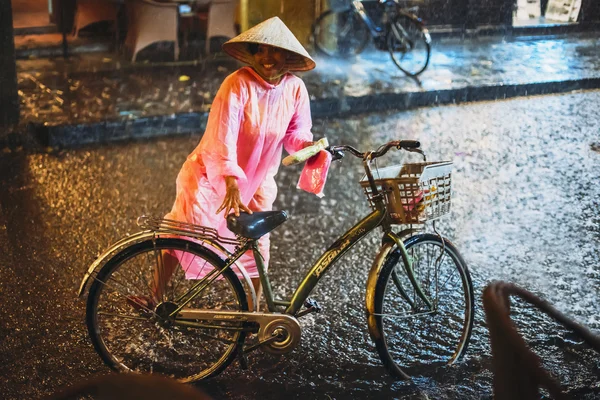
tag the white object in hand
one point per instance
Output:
(306, 153)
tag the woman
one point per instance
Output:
(258, 110)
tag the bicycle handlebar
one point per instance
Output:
(338, 151)
(399, 144)
(368, 156)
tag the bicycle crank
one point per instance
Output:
(286, 331)
(278, 333)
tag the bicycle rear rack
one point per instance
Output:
(169, 226)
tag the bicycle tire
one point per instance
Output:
(411, 50)
(128, 340)
(343, 41)
(405, 343)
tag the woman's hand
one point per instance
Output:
(233, 200)
(307, 144)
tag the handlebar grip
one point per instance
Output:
(409, 144)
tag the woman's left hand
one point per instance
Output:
(233, 199)
(307, 144)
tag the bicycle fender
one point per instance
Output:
(104, 256)
(388, 242)
(146, 235)
(401, 235)
(419, 22)
(372, 279)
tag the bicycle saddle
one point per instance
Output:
(253, 226)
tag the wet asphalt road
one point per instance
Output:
(526, 209)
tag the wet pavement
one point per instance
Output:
(102, 97)
(525, 210)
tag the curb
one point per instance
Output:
(534, 31)
(69, 136)
(108, 131)
(57, 50)
(410, 100)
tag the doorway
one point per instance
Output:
(546, 12)
(31, 15)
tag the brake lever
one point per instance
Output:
(421, 152)
(337, 155)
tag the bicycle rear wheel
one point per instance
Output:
(408, 45)
(130, 336)
(340, 33)
(410, 335)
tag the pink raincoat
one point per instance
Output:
(250, 121)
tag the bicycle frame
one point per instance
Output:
(344, 243)
(377, 30)
(326, 260)
(330, 256)
(165, 245)
(359, 8)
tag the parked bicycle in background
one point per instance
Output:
(346, 32)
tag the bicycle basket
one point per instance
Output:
(413, 193)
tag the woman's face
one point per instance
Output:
(269, 62)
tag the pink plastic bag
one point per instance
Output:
(415, 201)
(314, 174)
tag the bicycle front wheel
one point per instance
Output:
(409, 333)
(130, 336)
(340, 33)
(408, 45)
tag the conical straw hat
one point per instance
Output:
(272, 32)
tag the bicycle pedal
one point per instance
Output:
(312, 305)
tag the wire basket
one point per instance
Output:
(414, 192)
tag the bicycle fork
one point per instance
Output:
(407, 261)
(401, 35)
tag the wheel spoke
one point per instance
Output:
(156, 343)
(407, 315)
(133, 317)
(418, 335)
(186, 269)
(115, 290)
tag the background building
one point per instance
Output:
(19, 18)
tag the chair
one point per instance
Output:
(221, 20)
(90, 11)
(151, 22)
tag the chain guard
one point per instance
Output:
(289, 331)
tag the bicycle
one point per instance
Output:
(346, 32)
(419, 301)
